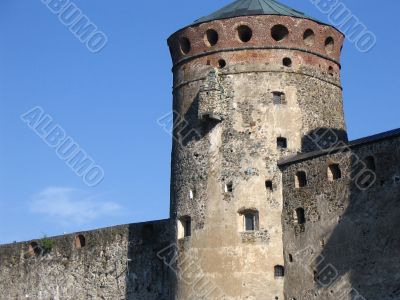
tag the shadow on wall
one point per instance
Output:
(322, 138)
(148, 276)
(361, 260)
(189, 127)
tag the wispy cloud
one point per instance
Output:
(71, 206)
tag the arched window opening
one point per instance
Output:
(244, 33)
(309, 37)
(279, 32)
(80, 241)
(299, 216)
(329, 44)
(370, 162)
(184, 227)
(334, 172)
(279, 271)
(301, 179)
(185, 45)
(211, 37)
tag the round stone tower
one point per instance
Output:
(251, 81)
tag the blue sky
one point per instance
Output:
(109, 103)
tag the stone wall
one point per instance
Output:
(114, 263)
(233, 82)
(348, 245)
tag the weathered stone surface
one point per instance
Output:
(242, 150)
(349, 243)
(240, 108)
(116, 263)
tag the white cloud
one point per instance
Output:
(71, 206)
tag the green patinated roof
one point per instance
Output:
(251, 8)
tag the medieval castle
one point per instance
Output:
(269, 200)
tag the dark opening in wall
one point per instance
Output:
(329, 44)
(334, 172)
(309, 37)
(250, 220)
(281, 143)
(279, 271)
(330, 70)
(301, 179)
(211, 37)
(370, 162)
(299, 216)
(279, 32)
(268, 185)
(185, 45)
(244, 33)
(287, 62)
(290, 256)
(188, 227)
(80, 241)
(229, 187)
(184, 227)
(221, 63)
(34, 249)
(278, 98)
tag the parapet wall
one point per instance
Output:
(113, 263)
(340, 235)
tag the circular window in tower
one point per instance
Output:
(244, 33)
(309, 37)
(211, 37)
(185, 45)
(329, 44)
(221, 63)
(287, 62)
(279, 32)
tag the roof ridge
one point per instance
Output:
(253, 7)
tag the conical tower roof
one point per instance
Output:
(254, 7)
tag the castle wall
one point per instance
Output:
(116, 263)
(348, 246)
(240, 147)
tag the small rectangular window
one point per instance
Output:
(334, 172)
(300, 179)
(188, 227)
(269, 186)
(229, 187)
(184, 227)
(281, 142)
(249, 222)
(278, 98)
(279, 271)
